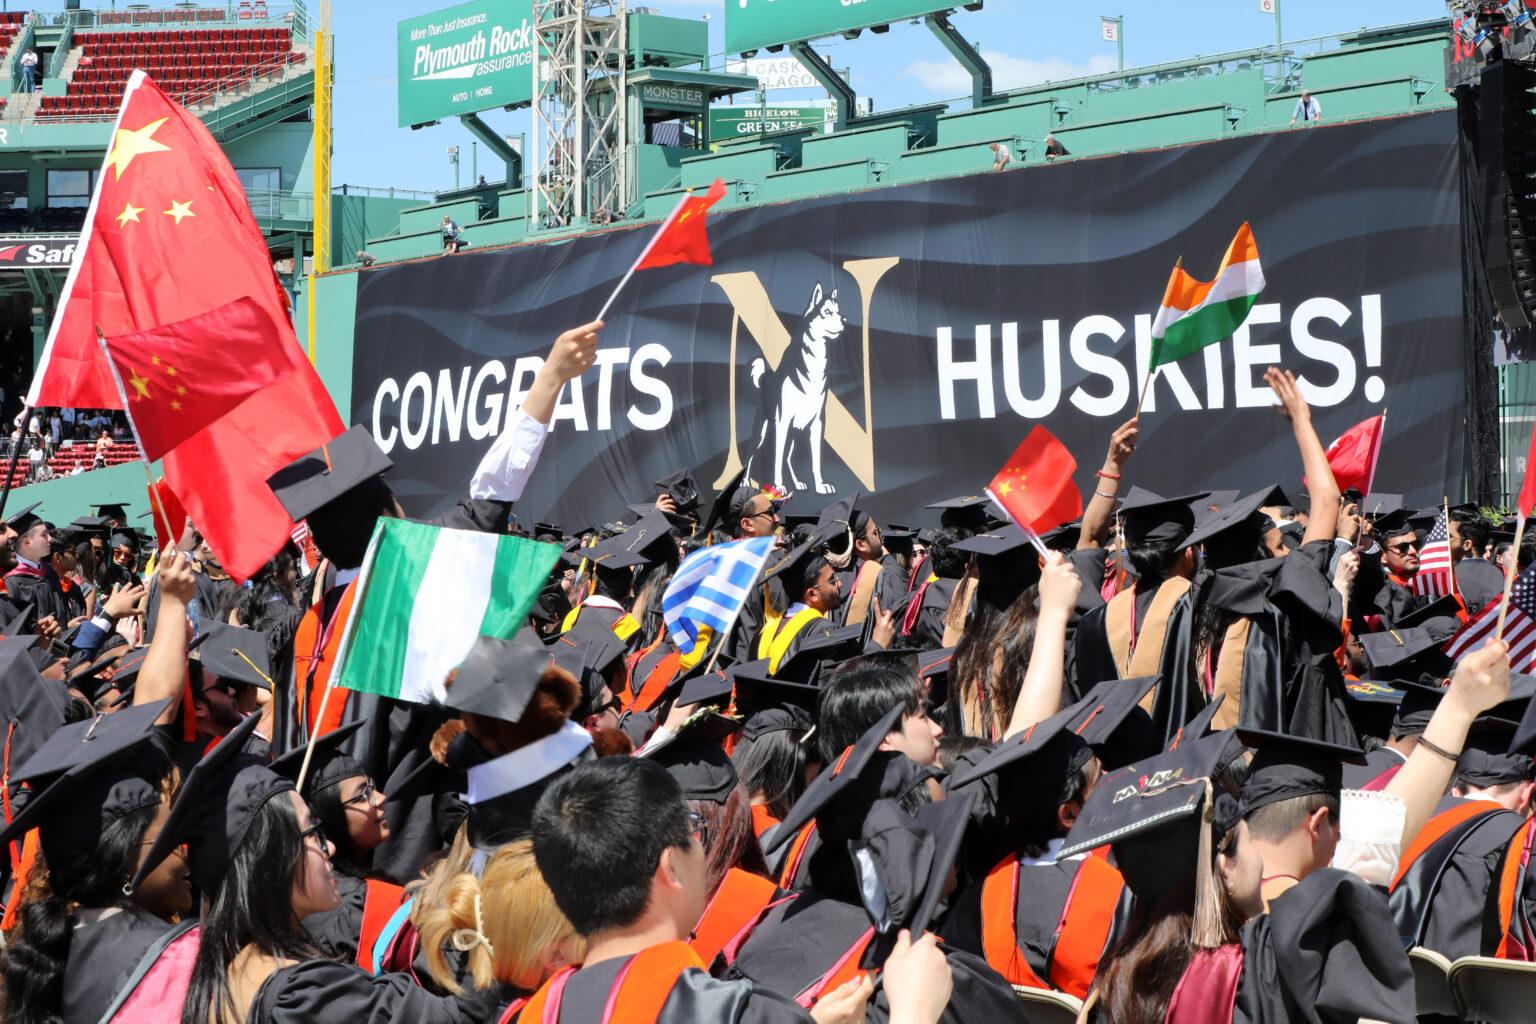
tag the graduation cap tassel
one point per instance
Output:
(1207, 922)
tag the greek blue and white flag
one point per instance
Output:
(710, 587)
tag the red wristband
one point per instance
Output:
(1106, 476)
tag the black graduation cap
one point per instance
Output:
(548, 530)
(696, 758)
(1064, 537)
(89, 525)
(682, 488)
(125, 540)
(706, 688)
(1404, 653)
(1199, 726)
(328, 766)
(898, 539)
(22, 520)
(1148, 518)
(817, 650)
(967, 512)
(1110, 719)
(325, 474)
(1486, 759)
(111, 510)
(1393, 524)
(648, 542)
(1152, 812)
(1008, 564)
(1018, 751)
(772, 704)
(607, 648)
(1285, 767)
(1218, 500)
(1446, 607)
(904, 861)
(497, 678)
(21, 623)
(88, 775)
(835, 779)
(1377, 504)
(1233, 513)
(31, 707)
(934, 667)
(236, 655)
(218, 803)
(731, 499)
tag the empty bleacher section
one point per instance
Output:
(1371, 73)
(192, 64)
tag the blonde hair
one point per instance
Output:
(504, 921)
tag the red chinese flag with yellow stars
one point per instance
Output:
(1035, 488)
(182, 377)
(169, 237)
(681, 237)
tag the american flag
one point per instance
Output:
(1434, 578)
(1519, 626)
(309, 557)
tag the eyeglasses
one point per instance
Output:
(698, 825)
(1403, 548)
(314, 831)
(363, 797)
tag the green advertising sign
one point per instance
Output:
(754, 24)
(727, 123)
(472, 57)
(673, 97)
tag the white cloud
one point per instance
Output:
(946, 78)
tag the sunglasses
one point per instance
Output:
(698, 826)
(1403, 548)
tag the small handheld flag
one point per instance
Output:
(1035, 486)
(681, 238)
(710, 588)
(1353, 456)
(1435, 577)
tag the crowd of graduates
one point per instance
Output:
(1205, 760)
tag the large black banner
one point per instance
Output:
(902, 340)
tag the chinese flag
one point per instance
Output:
(168, 238)
(1035, 488)
(166, 512)
(1353, 456)
(1528, 486)
(182, 377)
(681, 237)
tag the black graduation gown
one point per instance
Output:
(891, 587)
(43, 591)
(1448, 899)
(1382, 759)
(797, 942)
(1091, 659)
(1375, 594)
(695, 998)
(335, 932)
(929, 628)
(1326, 951)
(327, 992)
(102, 957)
(1479, 581)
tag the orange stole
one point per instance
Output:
(639, 992)
(379, 905)
(1436, 828)
(762, 820)
(740, 900)
(1081, 933)
(314, 658)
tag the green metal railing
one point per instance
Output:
(61, 47)
(24, 41)
(293, 14)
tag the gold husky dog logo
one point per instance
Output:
(798, 411)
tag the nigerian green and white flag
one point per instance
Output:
(1195, 314)
(424, 594)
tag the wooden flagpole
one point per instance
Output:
(1509, 575)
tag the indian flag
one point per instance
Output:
(424, 594)
(1195, 314)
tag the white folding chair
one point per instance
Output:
(1045, 1007)
(1432, 984)
(1493, 991)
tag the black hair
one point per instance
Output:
(1273, 822)
(990, 662)
(1238, 544)
(36, 957)
(943, 560)
(809, 574)
(341, 528)
(253, 907)
(1152, 561)
(325, 804)
(774, 764)
(607, 821)
(652, 624)
(859, 693)
(955, 745)
(1473, 527)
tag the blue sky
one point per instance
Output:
(1025, 41)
